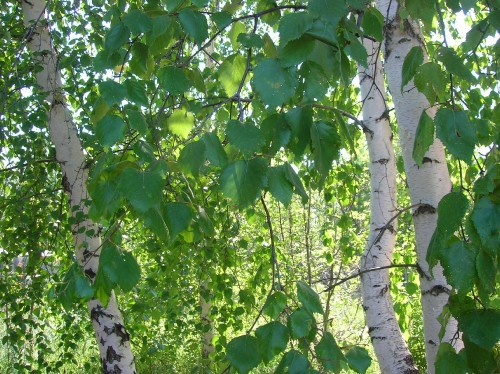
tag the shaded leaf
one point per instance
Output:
(274, 84)
(272, 339)
(243, 180)
(243, 353)
(142, 189)
(195, 24)
(454, 64)
(110, 130)
(329, 353)
(301, 323)
(173, 80)
(275, 304)
(245, 136)
(279, 185)
(456, 132)
(424, 137)
(358, 359)
(192, 157)
(486, 218)
(117, 36)
(215, 152)
(325, 146)
(459, 265)
(482, 327)
(308, 298)
(413, 60)
(448, 361)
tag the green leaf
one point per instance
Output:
(293, 362)
(356, 51)
(106, 199)
(120, 268)
(431, 81)
(300, 121)
(448, 361)
(180, 123)
(130, 272)
(110, 130)
(237, 29)
(308, 298)
(459, 266)
(358, 359)
(424, 137)
(331, 11)
(486, 270)
(315, 84)
(250, 40)
(456, 132)
(135, 92)
(142, 189)
(344, 130)
(421, 9)
(454, 64)
(275, 304)
(272, 340)
(138, 22)
(221, 19)
(160, 25)
(173, 80)
(192, 158)
(243, 353)
(141, 61)
(112, 92)
(195, 25)
(243, 180)
(297, 183)
(481, 327)
(412, 61)
(178, 217)
(296, 51)
(83, 288)
(231, 73)
(293, 25)
(215, 152)
(245, 136)
(373, 23)
(486, 218)
(329, 353)
(154, 219)
(116, 37)
(274, 84)
(325, 146)
(301, 323)
(279, 185)
(276, 132)
(451, 211)
(137, 121)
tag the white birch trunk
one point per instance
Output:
(112, 338)
(428, 183)
(390, 348)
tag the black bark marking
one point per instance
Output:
(424, 209)
(432, 342)
(98, 312)
(65, 183)
(112, 356)
(90, 273)
(437, 290)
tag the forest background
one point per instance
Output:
(227, 186)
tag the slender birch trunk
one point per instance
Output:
(207, 323)
(428, 183)
(390, 348)
(112, 338)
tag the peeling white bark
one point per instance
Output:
(390, 348)
(112, 338)
(428, 183)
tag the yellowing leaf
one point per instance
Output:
(180, 123)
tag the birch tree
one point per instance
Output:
(111, 335)
(390, 347)
(427, 183)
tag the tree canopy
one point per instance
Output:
(228, 183)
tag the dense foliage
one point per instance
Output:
(228, 167)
